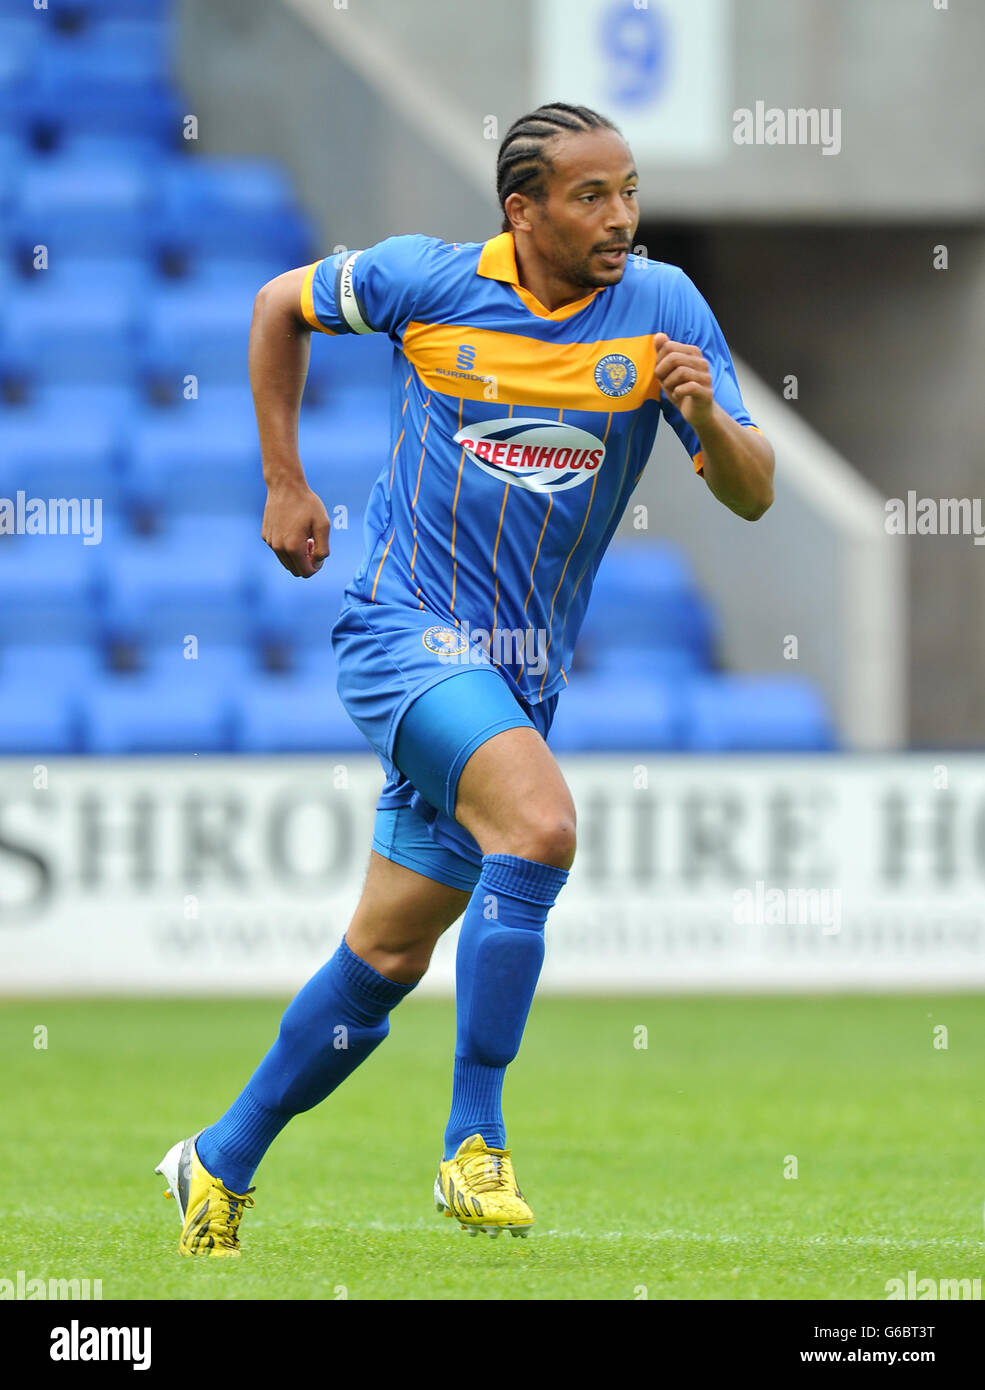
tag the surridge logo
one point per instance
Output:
(539, 455)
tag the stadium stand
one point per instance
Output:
(129, 268)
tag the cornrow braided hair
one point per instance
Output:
(522, 163)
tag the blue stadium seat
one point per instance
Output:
(289, 714)
(207, 184)
(147, 41)
(67, 666)
(44, 459)
(94, 60)
(14, 158)
(351, 360)
(643, 662)
(35, 719)
(767, 714)
(140, 714)
(196, 225)
(20, 38)
(88, 408)
(344, 451)
(193, 580)
(77, 336)
(132, 146)
(595, 715)
(85, 207)
(48, 584)
(96, 10)
(131, 275)
(198, 333)
(193, 460)
(216, 664)
(302, 612)
(242, 276)
(644, 595)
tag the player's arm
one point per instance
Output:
(737, 462)
(295, 522)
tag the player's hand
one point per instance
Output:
(296, 527)
(685, 379)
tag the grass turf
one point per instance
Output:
(655, 1172)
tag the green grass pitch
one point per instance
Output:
(653, 1172)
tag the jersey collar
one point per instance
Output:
(497, 261)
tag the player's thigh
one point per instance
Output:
(399, 918)
(512, 797)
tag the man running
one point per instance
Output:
(529, 376)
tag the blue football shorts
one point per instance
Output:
(424, 700)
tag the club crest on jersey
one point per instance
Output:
(445, 641)
(615, 374)
(540, 455)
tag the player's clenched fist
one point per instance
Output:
(296, 527)
(685, 378)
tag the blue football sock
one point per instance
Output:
(332, 1025)
(500, 953)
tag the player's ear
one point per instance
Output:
(515, 208)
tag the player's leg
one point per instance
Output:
(470, 748)
(334, 1023)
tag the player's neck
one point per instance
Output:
(548, 288)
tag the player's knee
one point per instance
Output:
(547, 836)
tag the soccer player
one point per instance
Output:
(529, 376)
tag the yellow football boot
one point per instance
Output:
(210, 1213)
(478, 1186)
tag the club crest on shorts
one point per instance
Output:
(445, 641)
(615, 374)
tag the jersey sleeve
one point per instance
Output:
(370, 291)
(693, 322)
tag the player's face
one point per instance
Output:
(584, 228)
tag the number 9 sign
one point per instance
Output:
(633, 47)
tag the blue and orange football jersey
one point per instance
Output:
(517, 433)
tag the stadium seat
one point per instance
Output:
(37, 719)
(201, 228)
(84, 207)
(194, 460)
(191, 581)
(221, 184)
(67, 666)
(48, 584)
(124, 145)
(640, 661)
(81, 409)
(140, 714)
(148, 43)
(132, 275)
(644, 595)
(75, 336)
(292, 714)
(765, 714)
(351, 360)
(243, 277)
(344, 450)
(631, 715)
(42, 458)
(301, 612)
(96, 10)
(216, 664)
(200, 333)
